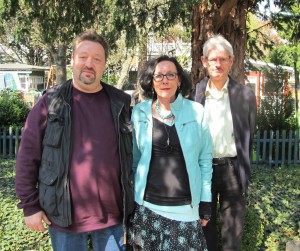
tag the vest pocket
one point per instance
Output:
(54, 131)
(47, 189)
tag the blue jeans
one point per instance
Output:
(107, 239)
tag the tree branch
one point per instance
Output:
(224, 11)
(269, 23)
(226, 8)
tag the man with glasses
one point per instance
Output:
(230, 109)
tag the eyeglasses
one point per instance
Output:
(213, 61)
(160, 77)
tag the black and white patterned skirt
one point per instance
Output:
(149, 231)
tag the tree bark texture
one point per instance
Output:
(142, 55)
(228, 18)
(125, 70)
(61, 64)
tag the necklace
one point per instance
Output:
(168, 148)
(158, 110)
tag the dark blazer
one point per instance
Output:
(243, 109)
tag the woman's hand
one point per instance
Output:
(203, 222)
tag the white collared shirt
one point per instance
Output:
(219, 118)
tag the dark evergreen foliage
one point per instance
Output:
(13, 109)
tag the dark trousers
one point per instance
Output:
(226, 190)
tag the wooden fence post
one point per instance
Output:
(264, 146)
(257, 147)
(10, 138)
(17, 139)
(277, 149)
(271, 147)
(296, 144)
(290, 147)
(284, 140)
(4, 142)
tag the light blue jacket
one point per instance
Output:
(195, 140)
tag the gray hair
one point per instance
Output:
(217, 42)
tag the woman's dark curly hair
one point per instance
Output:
(146, 77)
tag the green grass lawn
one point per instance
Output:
(272, 218)
(14, 236)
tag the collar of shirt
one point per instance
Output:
(212, 91)
(218, 115)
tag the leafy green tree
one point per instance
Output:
(277, 110)
(57, 22)
(150, 17)
(21, 36)
(201, 17)
(287, 19)
(227, 17)
(284, 55)
(224, 17)
(261, 37)
(287, 22)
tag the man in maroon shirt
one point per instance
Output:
(74, 160)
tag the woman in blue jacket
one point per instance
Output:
(172, 163)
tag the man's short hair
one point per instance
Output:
(91, 35)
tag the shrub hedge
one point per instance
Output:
(273, 214)
(272, 217)
(13, 108)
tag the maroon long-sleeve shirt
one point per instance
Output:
(95, 186)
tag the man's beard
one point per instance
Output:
(87, 80)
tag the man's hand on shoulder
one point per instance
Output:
(35, 221)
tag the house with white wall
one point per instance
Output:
(23, 77)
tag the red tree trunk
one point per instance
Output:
(228, 18)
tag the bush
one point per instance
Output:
(273, 214)
(13, 109)
(277, 109)
(273, 209)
